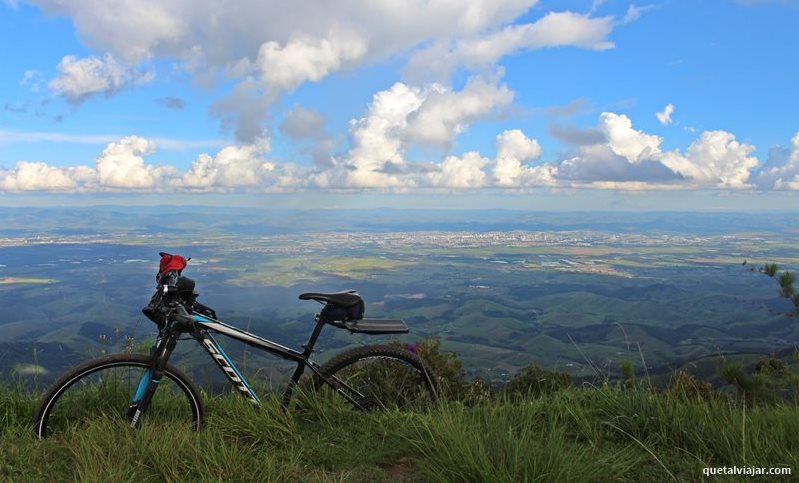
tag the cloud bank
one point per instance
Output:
(620, 157)
(261, 51)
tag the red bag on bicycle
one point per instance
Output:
(170, 263)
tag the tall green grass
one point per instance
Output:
(598, 434)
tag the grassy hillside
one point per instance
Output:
(576, 434)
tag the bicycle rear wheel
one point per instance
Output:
(107, 386)
(378, 377)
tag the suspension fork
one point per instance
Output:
(148, 384)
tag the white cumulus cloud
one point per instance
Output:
(404, 115)
(510, 168)
(664, 116)
(445, 113)
(377, 141)
(80, 79)
(231, 167)
(305, 58)
(38, 176)
(716, 159)
(555, 29)
(513, 150)
(121, 165)
(628, 155)
(464, 171)
(781, 172)
(624, 140)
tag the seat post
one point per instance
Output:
(306, 353)
(314, 336)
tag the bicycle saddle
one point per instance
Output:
(346, 298)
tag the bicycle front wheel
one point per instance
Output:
(377, 377)
(107, 387)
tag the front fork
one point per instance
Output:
(148, 384)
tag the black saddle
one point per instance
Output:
(340, 306)
(345, 310)
(346, 298)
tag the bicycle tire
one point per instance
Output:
(96, 371)
(384, 377)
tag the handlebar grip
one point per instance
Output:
(180, 317)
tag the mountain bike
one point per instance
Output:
(369, 377)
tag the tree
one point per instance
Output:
(770, 269)
(786, 284)
(786, 281)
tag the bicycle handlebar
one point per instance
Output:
(180, 318)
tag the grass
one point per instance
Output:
(290, 271)
(595, 434)
(26, 280)
(363, 267)
(283, 273)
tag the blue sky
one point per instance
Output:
(498, 100)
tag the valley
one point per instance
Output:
(577, 298)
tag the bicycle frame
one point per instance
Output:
(203, 325)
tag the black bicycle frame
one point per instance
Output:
(203, 325)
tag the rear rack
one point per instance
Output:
(374, 326)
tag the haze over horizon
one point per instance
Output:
(523, 104)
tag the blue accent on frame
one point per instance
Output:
(145, 379)
(201, 318)
(236, 370)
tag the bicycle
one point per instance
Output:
(369, 377)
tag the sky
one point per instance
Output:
(567, 104)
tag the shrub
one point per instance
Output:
(686, 386)
(627, 369)
(533, 382)
(772, 380)
(733, 373)
(478, 390)
(445, 365)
